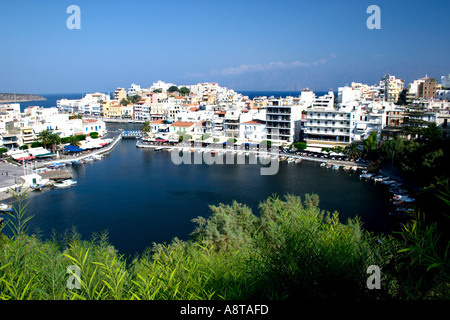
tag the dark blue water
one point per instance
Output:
(141, 197)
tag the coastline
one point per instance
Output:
(4, 191)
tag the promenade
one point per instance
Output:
(219, 148)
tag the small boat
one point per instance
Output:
(290, 160)
(77, 162)
(298, 161)
(403, 198)
(65, 184)
(37, 187)
(323, 164)
(397, 190)
(366, 175)
(90, 159)
(6, 207)
(335, 167)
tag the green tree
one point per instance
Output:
(124, 102)
(54, 140)
(173, 89)
(184, 91)
(146, 128)
(370, 144)
(134, 99)
(300, 145)
(74, 141)
(44, 137)
(352, 150)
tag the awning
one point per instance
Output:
(44, 155)
(71, 148)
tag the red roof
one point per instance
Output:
(255, 122)
(182, 124)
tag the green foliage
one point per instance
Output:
(94, 135)
(300, 145)
(23, 147)
(352, 150)
(184, 91)
(292, 249)
(146, 128)
(36, 144)
(173, 89)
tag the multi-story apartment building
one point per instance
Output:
(283, 120)
(392, 87)
(427, 88)
(120, 94)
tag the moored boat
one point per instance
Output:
(6, 207)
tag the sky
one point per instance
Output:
(240, 44)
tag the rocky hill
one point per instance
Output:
(19, 97)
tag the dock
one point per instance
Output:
(56, 175)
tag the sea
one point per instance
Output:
(140, 197)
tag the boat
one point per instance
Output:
(5, 207)
(323, 164)
(335, 167)
(65, 184)
(290, 160)
(397, 190)
(90, 159)
(77, 162)
(403, 198)
(366, 175)
(37, 187)
(298, 161)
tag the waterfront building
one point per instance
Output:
(94, 125)
(120, 94)
(253, 130)
(112, 110)
(182, 127)
(283, 120)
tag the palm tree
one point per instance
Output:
(74, 141)
(146, 128)
(54, 139)
(44, 137)
(352, 150)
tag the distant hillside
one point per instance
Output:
(19, 97)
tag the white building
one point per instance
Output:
(253, 130)
(445, 81)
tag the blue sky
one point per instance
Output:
(244, 45)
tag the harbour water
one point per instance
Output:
(139, 196)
